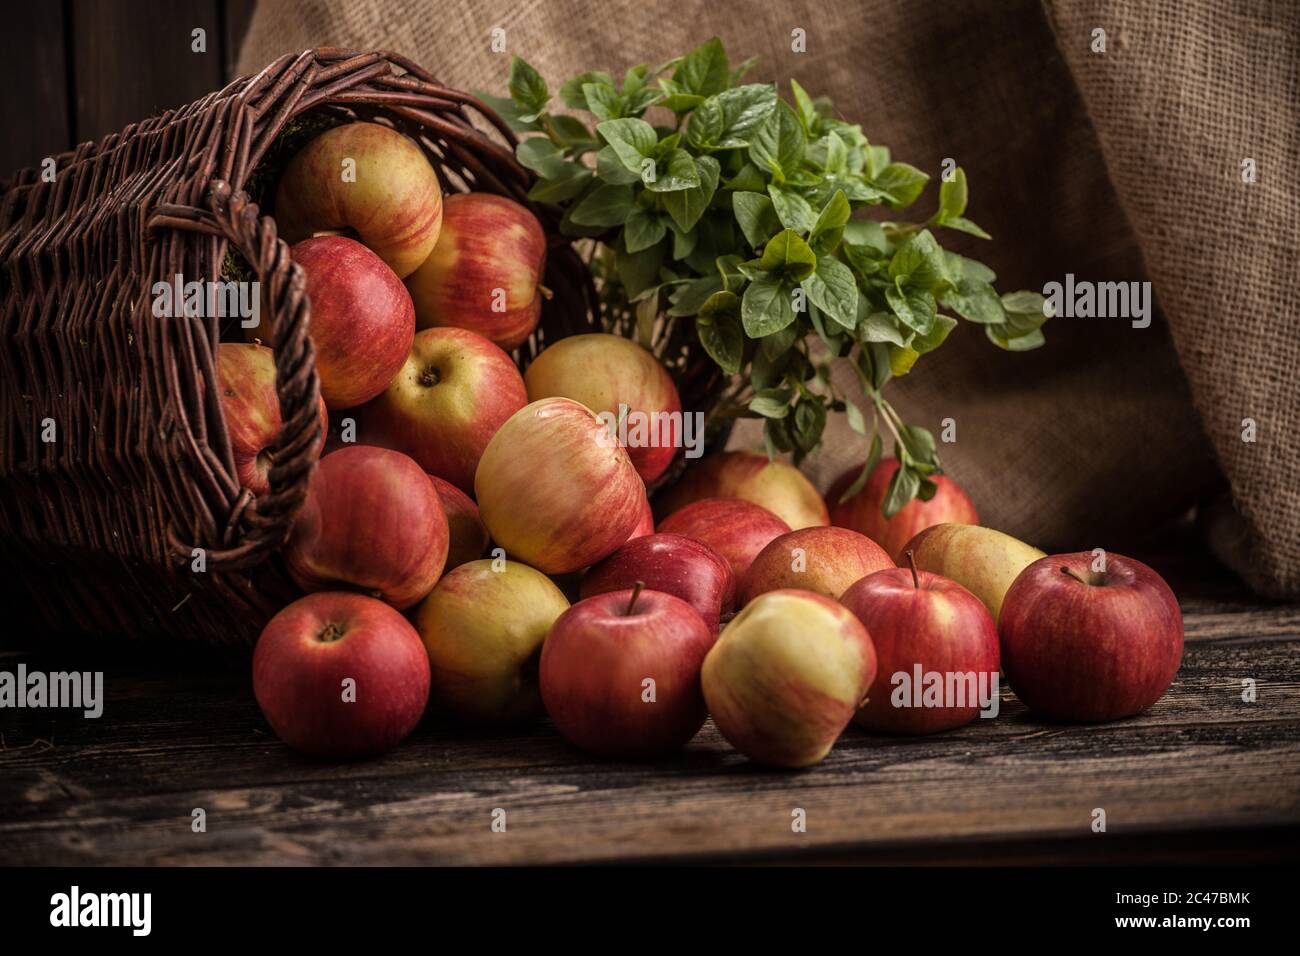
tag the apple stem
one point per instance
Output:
(546, 292)
(330, 633)
(911, 562)
(1071, 573)
(636, 593)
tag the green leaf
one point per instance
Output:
(756, 216)
(720, 331)
(572, 94)
(644, 229)
(975, 301)
(766, 307)
(604, 101)
(687, 206)
(638, 270)
(739, 72)
(606, 206)
(920, 262)
(561, 188)
(770, 403)
(778, 144)
(855, 419)
(691, 297)
(775, 437)
(788, 256)
(903, 487)
(572, 133)
(914, 309)
(881, 327)
(809, 423)
(632, 140)
(833, 290)
(959, 266)
(705, 70)
(953, 195)
(867, 234)
(793, 210)
(1024, 343)
(803, 102)
(611, 170)
(507, 109)
(678, 172)
(966, 226)
(829, 227)
(543, 157)
(943, 325)
(902, 183)
(778, 343)
(528, 89)
(728, 119)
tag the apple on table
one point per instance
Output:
(925, 629)
(1090, 636)
(483, 627)
(620, 673)
(786, 677)
(339, 674)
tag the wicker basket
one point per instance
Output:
(99, 526)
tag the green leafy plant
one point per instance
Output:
(728, 226)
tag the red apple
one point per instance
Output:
(822, 560)
(622, 382)
(936, 651)
(445, 404)
(1090, 636)
(340, 675)
(368, 180)
(468, 539)
(786, 676)
(485, 273)
(362, 322)
(775, 485)
(683, 567)
(736, 529)
(862, 512)
(372, 522)
(554, 490)
(621, 673)
(246, 380)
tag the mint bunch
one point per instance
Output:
(728, 222)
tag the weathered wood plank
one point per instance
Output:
(1201, 759)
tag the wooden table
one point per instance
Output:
(1202, 776)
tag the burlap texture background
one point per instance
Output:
(1122, 165)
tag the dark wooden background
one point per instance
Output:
(73, 70)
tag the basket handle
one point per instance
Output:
(260, 525)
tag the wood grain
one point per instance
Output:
(121, 789)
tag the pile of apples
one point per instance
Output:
(477, 543)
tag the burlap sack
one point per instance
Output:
(1080, 162)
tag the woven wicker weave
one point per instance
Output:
(99, 526)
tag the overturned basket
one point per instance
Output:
(120, 509)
